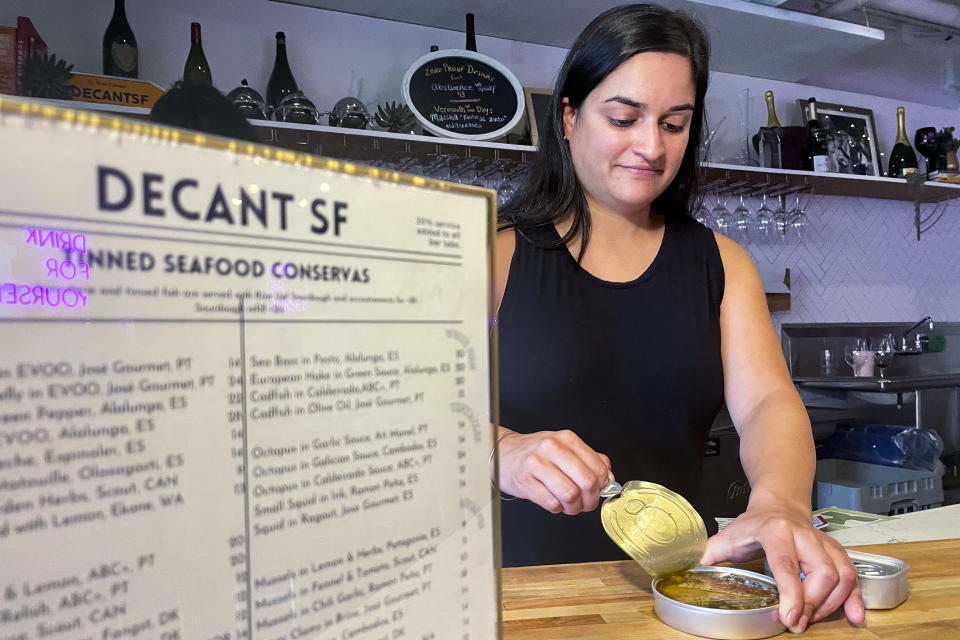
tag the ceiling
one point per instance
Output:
(864, 46)
(918, 61)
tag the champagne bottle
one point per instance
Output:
(772, 121)
(903, 161)
(196, 71)
(814, 149)
(281, 83)
(770, 137)
(471, 34)
(120, 45)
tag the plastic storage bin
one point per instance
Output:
(886, 444)
(875, 488)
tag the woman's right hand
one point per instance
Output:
(554, 469)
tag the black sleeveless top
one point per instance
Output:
(632, 368)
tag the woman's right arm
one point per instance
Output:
(554, 469)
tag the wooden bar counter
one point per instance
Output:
(612, 600)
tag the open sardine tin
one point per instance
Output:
(665, 535)
(725, 624)
(882, 579)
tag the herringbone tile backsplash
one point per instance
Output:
(861, 262)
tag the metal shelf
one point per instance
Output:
(359, 144)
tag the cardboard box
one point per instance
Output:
(8, 60)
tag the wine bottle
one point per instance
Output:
(814, 149)
(120, 45)
(471, 34)
(281, 83)
(903, 161)
(196, 71)
(770, 137)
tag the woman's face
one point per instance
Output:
(628, 138)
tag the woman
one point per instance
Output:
(624, 325)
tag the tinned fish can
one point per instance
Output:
(883, 580)
(721, 623)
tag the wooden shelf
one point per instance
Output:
(831, 184)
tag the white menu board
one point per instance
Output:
(243, 393)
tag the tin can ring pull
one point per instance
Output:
(612, 489)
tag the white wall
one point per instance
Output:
(328, 50)
(860, 263)
(324, 47)
(723, 99)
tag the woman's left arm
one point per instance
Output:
(777, 453)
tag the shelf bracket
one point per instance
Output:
(921, 223)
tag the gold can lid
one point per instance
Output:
(656, 527)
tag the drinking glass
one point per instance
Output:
(798, 220)
(742, 222)
(848, 356)
(884, 353)
(439, 166)
(856, 353)
(703, 216)
(721, 216)
(926, 142)
(781, 221)
(764, 225)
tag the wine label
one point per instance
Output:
(239, 397)
(821, 164)
(907, 171)
(124, 56)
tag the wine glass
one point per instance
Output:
(742, 222)
(781, 220)
(853, 353)
(798, 220)
(848, 357)
(721, 216)
(764, 225)
(702, 215)
(884, 353)
(925, 139)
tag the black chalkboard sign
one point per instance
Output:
(463, 94)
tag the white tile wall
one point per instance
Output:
(861, 262)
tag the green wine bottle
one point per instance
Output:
(119, 45)
(281, 83)
(814, 149)
(196, 71)
(770, 136)
(903, 161)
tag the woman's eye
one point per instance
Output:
(673, 128)
(620, 123)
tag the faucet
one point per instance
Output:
(918, 346)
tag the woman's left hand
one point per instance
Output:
(793, 545)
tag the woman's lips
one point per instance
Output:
(642, 171)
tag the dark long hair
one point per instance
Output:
(204, 109)
(552, 190)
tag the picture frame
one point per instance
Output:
(851, 137)
(538, 108)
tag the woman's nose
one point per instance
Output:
(648, 141)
